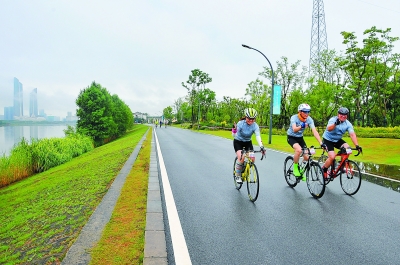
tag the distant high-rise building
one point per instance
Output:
(18, 99)
(33, 105)
(9, 113)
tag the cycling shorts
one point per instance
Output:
(332, 145)
(296, 140)
(238, 145)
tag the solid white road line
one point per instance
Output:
(181, 252)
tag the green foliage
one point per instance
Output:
(102, 116)
(27, 159)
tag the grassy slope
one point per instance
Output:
(42, 215)
(122, 241)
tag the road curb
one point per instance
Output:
(155, 249)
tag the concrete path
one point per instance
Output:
(155, 246)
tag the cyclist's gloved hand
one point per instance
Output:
(337, 122)
(262, 150)
(323, 146)
(303, 125)
(359, 148)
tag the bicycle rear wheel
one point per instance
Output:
(288, 172)
(237, 185)
(350, 178)
(315, 180)
(253, 183)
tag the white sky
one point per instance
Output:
(143, 50)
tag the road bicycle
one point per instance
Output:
(312, 170)
(347, 170)
(249, 174)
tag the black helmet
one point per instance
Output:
(343, 111)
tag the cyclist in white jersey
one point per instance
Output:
(298, 123)
(332, 137)
(242, 132)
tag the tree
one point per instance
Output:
(196, 81)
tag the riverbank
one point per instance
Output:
(43, 214)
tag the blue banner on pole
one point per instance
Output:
(277, 100)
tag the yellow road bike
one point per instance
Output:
(249, 174)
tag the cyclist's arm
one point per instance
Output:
(316, 135)
(354, 138)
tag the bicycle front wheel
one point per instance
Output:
(237, 185)
(350, 178)
(288, 172)
(315, 180)
(253, 183)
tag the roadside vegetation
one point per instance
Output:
(122, 241)
(42, 215)
(27, 159)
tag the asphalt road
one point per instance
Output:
(285, 225)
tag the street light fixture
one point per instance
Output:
(272, 92)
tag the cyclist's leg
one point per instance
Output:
(238, 146)
(294, 143)
(330, 157)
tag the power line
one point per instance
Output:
(379, 6)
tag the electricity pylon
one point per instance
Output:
(319, 40)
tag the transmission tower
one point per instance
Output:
(319, 40)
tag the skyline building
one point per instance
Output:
(33, 104)
(18, 99)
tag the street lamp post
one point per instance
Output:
(272, 92)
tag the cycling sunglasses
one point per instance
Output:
(305, 111)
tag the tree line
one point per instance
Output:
(364, 78)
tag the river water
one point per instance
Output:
(11, 135)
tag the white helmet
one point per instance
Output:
(304, 107)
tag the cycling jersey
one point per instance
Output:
(295, 119)
(340, 129)
(245, 131)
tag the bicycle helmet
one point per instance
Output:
(343, 111)
(304, 107)
(250, 113)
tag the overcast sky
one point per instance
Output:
(143, 50)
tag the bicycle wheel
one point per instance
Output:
(315, 180)
(237, 185)
(253, 184)
(350, 178)
(288, 172)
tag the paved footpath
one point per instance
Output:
(155, 246)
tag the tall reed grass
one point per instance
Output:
(26, 158)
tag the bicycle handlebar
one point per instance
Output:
(244, 151)
(343, 150)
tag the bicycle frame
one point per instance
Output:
(249, 174)
(311, 169)
(344, 155)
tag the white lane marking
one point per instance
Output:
(181, 252)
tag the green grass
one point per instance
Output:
(42, 215)
(375, 150)
(122, 241)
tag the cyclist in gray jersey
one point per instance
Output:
(298, 123)
(242, 133)
(332, 137)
